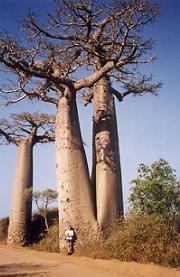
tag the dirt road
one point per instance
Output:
(25, 262)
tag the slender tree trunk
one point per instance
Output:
(21, 209)
(75, 199)
(106, 161)
(46, 222)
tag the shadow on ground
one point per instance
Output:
(22, 270)
(38, 226)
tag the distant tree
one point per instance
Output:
(156, 190)
(43, 199)
(24, 130)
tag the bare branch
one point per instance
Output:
(6, 135)
(88, 98)
(106, 37)
(37, 127)
(138, 86)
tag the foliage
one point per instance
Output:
(43, 199)
(38, 228)
(140, 238)
(49, 241)
(4, 222)
(145, 238)
(156, 190)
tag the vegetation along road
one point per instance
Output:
(25, 262)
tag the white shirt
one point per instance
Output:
(69, 234)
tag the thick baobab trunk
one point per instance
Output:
(21, 209)
(106, 161)
(76, 207)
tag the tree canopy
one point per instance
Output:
(106, 38)
(38, 125)
(156, 190)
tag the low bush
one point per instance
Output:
(38, 225)
(140, 238)
(48, 241)
(4, 222)
(144, 238)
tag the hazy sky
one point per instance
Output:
(149, 126)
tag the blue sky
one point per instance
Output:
(149, 126)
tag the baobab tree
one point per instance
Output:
(76, 205)
(107, 40)
(24, 130)
(105, 34)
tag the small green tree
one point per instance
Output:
(43, 199)
(156, 190)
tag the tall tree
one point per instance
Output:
(106, 171)
(118, 38)
(24, 130)
(108, 40)
(76, 205)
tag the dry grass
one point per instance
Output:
(48, 241)
(145, 238)
(139, 238)
(41, 240)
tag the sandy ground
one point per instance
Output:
(25, 262)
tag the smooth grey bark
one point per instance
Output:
(21, 209)
(106, 172)
(75, 199)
